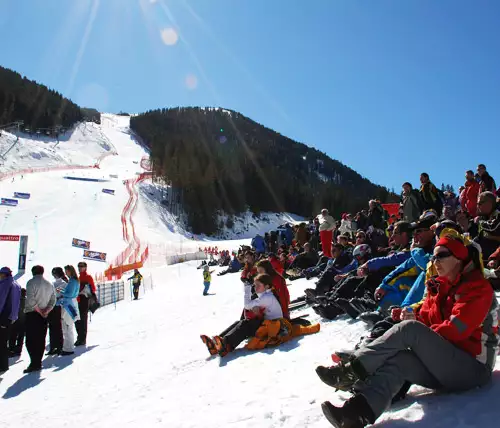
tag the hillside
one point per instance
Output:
(222, 161)
(38, 107)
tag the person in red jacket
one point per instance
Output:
(279, 285)
(449, 344)
(468, 197)
(277, 265)
(87, 288)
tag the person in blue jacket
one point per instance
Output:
(258, 244)
(234, 266)
(10, 298)
(396, 286)
(69, 312)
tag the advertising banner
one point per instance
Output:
(23, 250)
(80, 243)
(20, 195)
(11, 238)
(94, 255)
(108, 191)
(9, 202)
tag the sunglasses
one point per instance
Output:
(440, 256)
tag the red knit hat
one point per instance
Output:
(456, 247)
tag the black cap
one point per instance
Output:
(402, 227)
(426, 220)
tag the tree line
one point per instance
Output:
(36, 105)
(224, 161)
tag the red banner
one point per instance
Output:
(12, 238)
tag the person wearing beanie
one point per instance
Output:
(448, 344)
(10, 298)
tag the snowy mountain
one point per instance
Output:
(144, 364)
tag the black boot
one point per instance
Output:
(349, 309)
(355, 413)
(341, 376)
(371, 318)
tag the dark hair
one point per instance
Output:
(482, 165)
(59, 273)
(37, 270)
(424, 174)
(407, 184)
(338, 246)
(490, 196)
(72, 271)
(82, 264)
(265, 279)
(469, 171)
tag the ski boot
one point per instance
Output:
(209, 343)
(341, 376)
(221, 346)
(355, 413)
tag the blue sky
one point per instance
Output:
(390, 88)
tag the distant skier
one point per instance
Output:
(207, 278)
(136, 282)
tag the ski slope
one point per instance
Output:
(144, 364)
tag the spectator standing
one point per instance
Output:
(486, 182)
(18, 329)
(136, 283)
(54, 318)
(411, 203)
(87, 288)
(468, 196)
(10, 296)
(40, 300)
(326, 227)
(430, 195)
(69, 310)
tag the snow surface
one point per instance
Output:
(144, 364)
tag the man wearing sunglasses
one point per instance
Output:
(87, 288)
(406, 283)
(489, 224)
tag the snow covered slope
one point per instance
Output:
(144, 364)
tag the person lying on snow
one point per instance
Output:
(449, 344)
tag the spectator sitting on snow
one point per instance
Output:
(279, 284)
(10, 299)
(249, 271)
(234, 266)
(449, 344)
(396, 286)
(376, 215)
(308, 258)
(336, 265)
(467, 224)
(266, 307)
(489, 224)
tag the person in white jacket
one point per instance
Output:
(40, 299)
(326, 228)
(265, 307)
